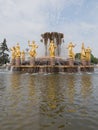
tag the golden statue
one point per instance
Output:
(70, 50)
(33, 48)
(13, 56)
(88, 54)
(52, 48)
(23, 55)
(17, 52)
(83, 54)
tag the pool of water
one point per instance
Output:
(48, 101)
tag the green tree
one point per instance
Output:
(78, 56)
(94, 60)
(4, 57)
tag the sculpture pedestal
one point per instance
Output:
(18, 62)
(12, 61)
(71, 62)
(32, 61)
(84, 62)
(52, 61)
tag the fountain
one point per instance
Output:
(56, 37)
(52, 62)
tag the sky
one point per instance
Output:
(23, 20)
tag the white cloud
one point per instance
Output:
(23, 20)
(81, 32)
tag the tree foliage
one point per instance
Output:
(78, 56)
(94, 59)
(4, 57)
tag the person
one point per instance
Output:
(33, 49)
(52, 48)
(70, 50)
(83, 54)
(13, 56)
(17, 52)
(88, 53)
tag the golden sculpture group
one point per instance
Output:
(16, 53)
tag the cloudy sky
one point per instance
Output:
(23, 20)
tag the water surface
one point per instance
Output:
(48, 101)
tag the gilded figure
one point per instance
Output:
(88, 53)
(70, 50)
(33, 46)
(17, 52)
(83, 54)
(23, 55)
(13, 56)
(52, 48)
